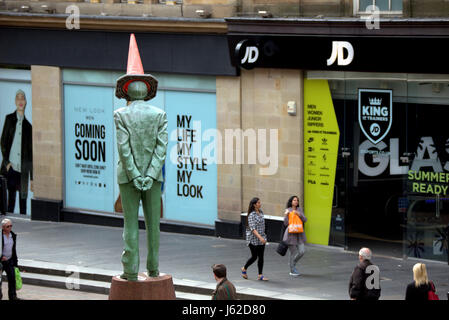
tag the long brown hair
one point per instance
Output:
(290, 200)
(251, 208)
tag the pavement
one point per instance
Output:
(325, 271)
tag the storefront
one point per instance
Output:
(90, 151)
(73, 84)
(375, 157)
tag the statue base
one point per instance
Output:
(145, 288)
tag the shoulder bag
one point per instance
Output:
(431, 294)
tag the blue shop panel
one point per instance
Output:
(89, 147)
(190, 167)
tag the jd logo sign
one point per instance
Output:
(338, 48)
(375, 113)
(247, 54)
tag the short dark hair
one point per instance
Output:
(219, 270)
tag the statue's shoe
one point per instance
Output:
(153, 274)
(129, 277)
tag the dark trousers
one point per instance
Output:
(8, 267)
(14, 185)
(256, 254)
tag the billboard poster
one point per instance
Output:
(191, 171)
(16, 141)
(89, 147)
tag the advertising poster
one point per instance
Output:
(189, 191)
(321, 135)
(16, 140)
(89, 147)
(191, 172)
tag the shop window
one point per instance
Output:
(91, 155)
(384, 6)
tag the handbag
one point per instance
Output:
(282, 248)
(118, 204)
(18, 278)
(431, 294)
(295, 223)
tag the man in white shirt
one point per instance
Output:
(8, 258)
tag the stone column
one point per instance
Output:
(47, 142)
(265, 94)
(229, 183)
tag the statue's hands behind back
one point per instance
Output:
(147, 183)
(138, 183)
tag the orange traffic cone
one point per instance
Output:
(135, 72)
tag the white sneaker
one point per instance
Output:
(295, 273)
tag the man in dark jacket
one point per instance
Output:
(8, 258)
(225, 289)
(365, 279)
(17, 153)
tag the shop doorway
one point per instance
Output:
(378, 202)
(369, 180)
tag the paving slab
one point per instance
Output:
(325, 271)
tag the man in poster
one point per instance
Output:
(17, 152)
(142, 140)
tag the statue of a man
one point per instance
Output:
(142, 146)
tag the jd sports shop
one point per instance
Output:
(376, 140)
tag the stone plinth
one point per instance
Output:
(146, 288)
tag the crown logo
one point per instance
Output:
(375, 101)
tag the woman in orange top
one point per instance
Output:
(295, 241)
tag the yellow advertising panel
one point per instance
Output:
(321, 135)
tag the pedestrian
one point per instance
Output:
(9, 258)
(364, 284)
(294, 237)
(255, 237)
(225, 290)
(419, 289)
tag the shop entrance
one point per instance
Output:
(369, 177)
(391, 187)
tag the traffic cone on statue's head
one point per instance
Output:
(135, 72)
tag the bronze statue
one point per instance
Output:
(142, 146)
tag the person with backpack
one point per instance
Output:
(294, 235)
(364, 284)
(421, 289)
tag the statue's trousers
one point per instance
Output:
(151, 202)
